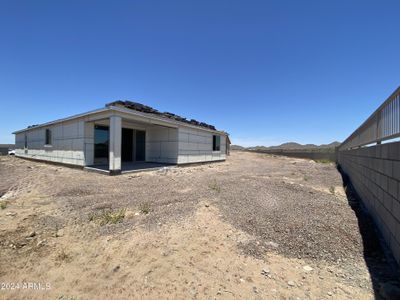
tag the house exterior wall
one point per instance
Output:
(89, 143)
(67, 143)
(162, 144)
(196, 145)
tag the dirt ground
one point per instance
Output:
(253, 227)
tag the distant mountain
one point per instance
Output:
(331, 145)
(237, 147)
(290, 146)
(293, 145)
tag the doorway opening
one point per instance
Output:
(133, 145)
(127, 145)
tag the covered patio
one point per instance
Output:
(127, 143)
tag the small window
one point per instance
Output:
(48, 137)
(216, 143)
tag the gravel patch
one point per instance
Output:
(292, 208)
(283, 202)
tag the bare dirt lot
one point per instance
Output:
(253, 227)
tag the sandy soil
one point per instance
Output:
(254, 227)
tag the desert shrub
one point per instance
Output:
(108, 216)
(63, 256)
(144, 208)
(332, 190)
(3, 204)
(215, 186)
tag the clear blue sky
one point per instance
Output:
(266, 71)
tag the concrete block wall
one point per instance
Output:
(161, 144)
(68, 143)
(375, 174)
(196, 145)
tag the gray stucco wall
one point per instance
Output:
(162, 144)
(67, 143)
(197, 146)
(375, 174)
(181, 145)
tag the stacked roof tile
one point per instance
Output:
(149, 110)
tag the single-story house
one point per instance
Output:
(120, 136)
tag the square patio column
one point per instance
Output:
(115, 144)
(89, 143)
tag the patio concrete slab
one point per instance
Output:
(129, 167)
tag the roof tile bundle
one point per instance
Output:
(149, 110)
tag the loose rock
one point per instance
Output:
(41, 243)
(31, 234)
(291, 283)
(265, 271)
(307, 268)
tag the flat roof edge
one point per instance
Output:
(63, 119)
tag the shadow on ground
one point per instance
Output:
(383, 269)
